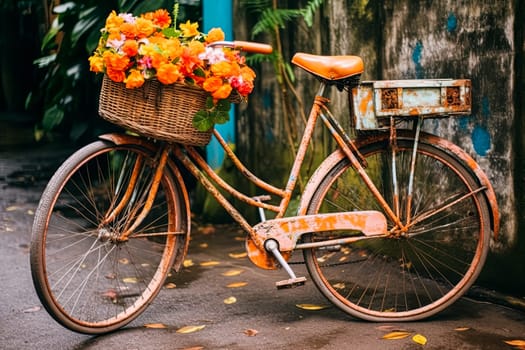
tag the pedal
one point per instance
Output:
(291, 283)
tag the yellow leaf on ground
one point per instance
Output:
(395, 335)
(190, 329)
(195, 348)
(155, 325)
(170, 285)
(231, 273)
(230, 300)
(188, 263)
(130, 280)
(237, 284)
(311, 306)
(518, 343)
(12, 208)
(238, 255)
(461, 329)
(203, 245)
(209, 263)
(339, 285)
(420, 339)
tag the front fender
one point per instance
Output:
(433, 140)
(124, 139)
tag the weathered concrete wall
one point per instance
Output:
(472, 39)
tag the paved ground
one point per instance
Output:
(261, 318)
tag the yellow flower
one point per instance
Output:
(134, 79)
(215, 34)
(113, 21)
(189, 29)
(96, 64)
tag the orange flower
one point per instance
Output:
(129, 30)
(115, 75)
(223, 92)
(215, 34)
(168, 73)
(134, 79)
(144, 27)
(189, 29)
(161, 18)
(130, 48)
(225, 69)
(212, 84)
(115, 61)
(157, 59)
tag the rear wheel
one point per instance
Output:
(87, 278)
(410, 274)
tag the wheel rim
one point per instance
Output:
(90, 279)
(412, 274)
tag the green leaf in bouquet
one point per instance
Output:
(209, 103)
(223, 105)
(221, 117)
(171, 32)
(202, 121)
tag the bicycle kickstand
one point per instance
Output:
(293, 281)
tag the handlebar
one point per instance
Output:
(246, 46)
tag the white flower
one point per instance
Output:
(128, 17)
(213, 55)
(116, 43)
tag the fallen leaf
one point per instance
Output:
(32, 309)
(206, 230)
(203, 245)
(155, 325)
(195, 348)
(251, 332)
(30, 212)
(461, 329)
(230, 300)
(237, 284)
(339, 286)
(420, 339)
(311, 306)
(209, 263)
(124, 261)
(231, 273)
(188, 263)
(130, 280)
(395, 335)
(517, 343)
(239, 238)
(238, 255)
(12, 208)
(170, 285)
(190, 329)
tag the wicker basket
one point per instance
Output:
(163, 112)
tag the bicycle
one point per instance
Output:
(394, 225)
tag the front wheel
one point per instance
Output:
(87, 277)
(413, 273)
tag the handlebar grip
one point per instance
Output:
(252, 47)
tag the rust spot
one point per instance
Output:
(453, 96)
(389, 99)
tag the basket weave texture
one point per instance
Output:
(163, 112)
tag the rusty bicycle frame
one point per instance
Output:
(270, 242)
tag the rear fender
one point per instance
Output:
(436, 141)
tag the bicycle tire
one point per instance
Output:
(407, 276)
(86, 279)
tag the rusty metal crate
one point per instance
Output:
(375, 102)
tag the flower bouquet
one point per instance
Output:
(160, 80)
